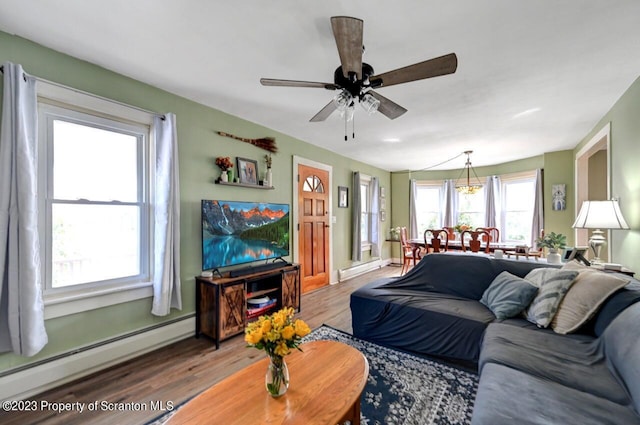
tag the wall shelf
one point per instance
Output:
(252, 186)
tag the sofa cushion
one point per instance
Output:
(576, 363)
(419, 321)
(553, 285)
(614, 305)
(508, 295)
(590, 289)
(464, 276)
(622, 348)
(507, 396)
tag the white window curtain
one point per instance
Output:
(492, 200)
(374, 221)
(451, 203)
(166, 280)
(22, 328)
(538, 210)
(356, 238)
(413, 210)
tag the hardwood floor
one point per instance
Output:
(179, 371)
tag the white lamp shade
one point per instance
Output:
(600, 215)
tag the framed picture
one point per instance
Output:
(383, 215)
(576, 253)
(247, 170)
(559, 197)
(383, 204)
(343, 197)
(382, 192)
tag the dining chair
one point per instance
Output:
(435, 241)
(493, 234)
(407, 251)
(475, 242)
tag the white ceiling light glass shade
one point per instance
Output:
(347, 113)
(369, 103)
(343, 100)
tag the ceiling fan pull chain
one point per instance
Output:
(345, 128)
(353, 128)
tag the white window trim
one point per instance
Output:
(507, 179)
(72, 302)
(434, 184)
(366, 179)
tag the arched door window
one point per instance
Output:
(313, 184)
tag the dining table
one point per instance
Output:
(456, 245)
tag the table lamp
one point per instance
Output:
(599, 215)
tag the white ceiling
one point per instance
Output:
(533, 76)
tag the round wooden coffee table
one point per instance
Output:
(326, 381)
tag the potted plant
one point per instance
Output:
(225, 164)
(554, 242)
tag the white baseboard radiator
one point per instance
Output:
(351, 272)
(31, 379)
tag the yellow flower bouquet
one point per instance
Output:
(276, 335)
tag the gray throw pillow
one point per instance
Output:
(590, 290)
(508, 295)
(553, 285)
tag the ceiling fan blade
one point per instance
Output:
(294, 83)
(348, 34)
(324, 113)
(435, 67)
(387, 107)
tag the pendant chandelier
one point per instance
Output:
(468, 188)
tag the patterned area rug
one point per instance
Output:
(404, 389)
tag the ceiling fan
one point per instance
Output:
(356, 80)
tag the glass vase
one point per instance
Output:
(277, 377)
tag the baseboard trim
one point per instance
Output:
(351, 272)
(34, 380)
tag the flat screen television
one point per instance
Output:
(236, 232)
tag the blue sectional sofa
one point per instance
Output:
(591, 376)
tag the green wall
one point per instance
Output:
(624, 117)
(198, 147)
(558, 169)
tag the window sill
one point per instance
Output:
(366, 247)
(60, 305)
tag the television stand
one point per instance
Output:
(221, 302)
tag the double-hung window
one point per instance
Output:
(365, 211)
(429, 206)
(471, 209)
(518, 198)
(95, 208)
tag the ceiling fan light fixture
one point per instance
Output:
(369, 103)
(342, 100)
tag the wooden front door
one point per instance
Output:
(313, 234)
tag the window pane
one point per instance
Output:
(94, 243)
(364, 227)
(94, 164)
(364, 210)
(517, 226)
(428, 208)
(471, 209)
(519, 198)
